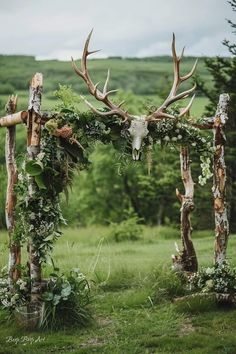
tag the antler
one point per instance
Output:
(102, 96)
(173, 96)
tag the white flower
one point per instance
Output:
(177, 130)
(32, 216)
(23, 287)
(209, 284)
(179, 136)
(209, 271)
(20, 177)
(174, 138)
(40, 156)
(166, 138)
(194, 144)
(201, 180)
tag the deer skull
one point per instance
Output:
(138, 131)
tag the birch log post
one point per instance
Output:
(14, 246)
(13, 119)
(33, 149)
(219, 180)
(187, 259)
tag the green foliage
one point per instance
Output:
(129, 229)
(66, 300)
(67, 98)
(39, 215)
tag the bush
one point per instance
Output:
(66, 301)
(127, 230)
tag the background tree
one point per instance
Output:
(223, 72)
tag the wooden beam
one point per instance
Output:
(13, 119)
(205, 124)
(219, 180)
(14, 246)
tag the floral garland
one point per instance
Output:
(84, 129)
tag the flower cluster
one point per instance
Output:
(206, 171)
(180, 132)
(16, 295)
(170, 132)
(220, 279)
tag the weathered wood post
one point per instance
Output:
(219, 180)
(187, 259)
(14, 247)
(33, 149)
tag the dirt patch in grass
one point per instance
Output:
(93, 342)
(104, 321)
(186, 328)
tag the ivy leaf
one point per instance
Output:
(34, 168)
(56, 299)
(49, 238)
(66, 291)
(40, 181)
(47, 296)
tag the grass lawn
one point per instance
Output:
(133, 288)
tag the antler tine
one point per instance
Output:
(176, 61)
(106, 82)
(181, 95)
(160, 113)
(86, 52)
(186, 109)
(95, 110)
(76, 69)
(187, 76)
(101, 96)
(174, 54)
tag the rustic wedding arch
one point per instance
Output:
(34, 120)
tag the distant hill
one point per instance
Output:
(146, 76)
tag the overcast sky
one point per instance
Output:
(51, 29)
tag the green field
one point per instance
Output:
(133, 290)
(148, 78)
